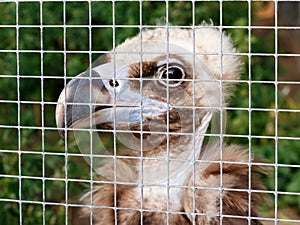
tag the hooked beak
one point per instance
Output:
(103, 95)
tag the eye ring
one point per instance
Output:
(174, 74)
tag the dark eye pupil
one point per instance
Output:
(173, 73)
(113, 83)
(171, 76)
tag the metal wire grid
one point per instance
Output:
(67, 155)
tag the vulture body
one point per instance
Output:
(158, 91)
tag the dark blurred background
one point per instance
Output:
(45, 57)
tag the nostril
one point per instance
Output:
(113, 83)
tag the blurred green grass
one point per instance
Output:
(37, 84)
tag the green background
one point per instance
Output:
(29, 99)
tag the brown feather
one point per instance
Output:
(235, 176)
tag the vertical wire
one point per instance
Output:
(141, 105)
(276, 110)
(221, 113)
(19, 114)
(194, 116)
(91, 111)
(249, 114)
(114, 108)
(42, 112)
(65, 110)
(168, 119)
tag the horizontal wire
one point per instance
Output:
(150, 26)
(150, 53)
(150, 132)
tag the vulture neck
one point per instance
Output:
(163, 168)
(172, 161)
(175, 154)
(176, 167)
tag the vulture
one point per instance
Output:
(162, 94)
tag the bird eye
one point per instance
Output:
(174, 74)
(113, 83)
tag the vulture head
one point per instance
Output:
(158, 92)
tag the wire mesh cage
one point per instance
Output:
(149, 112)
